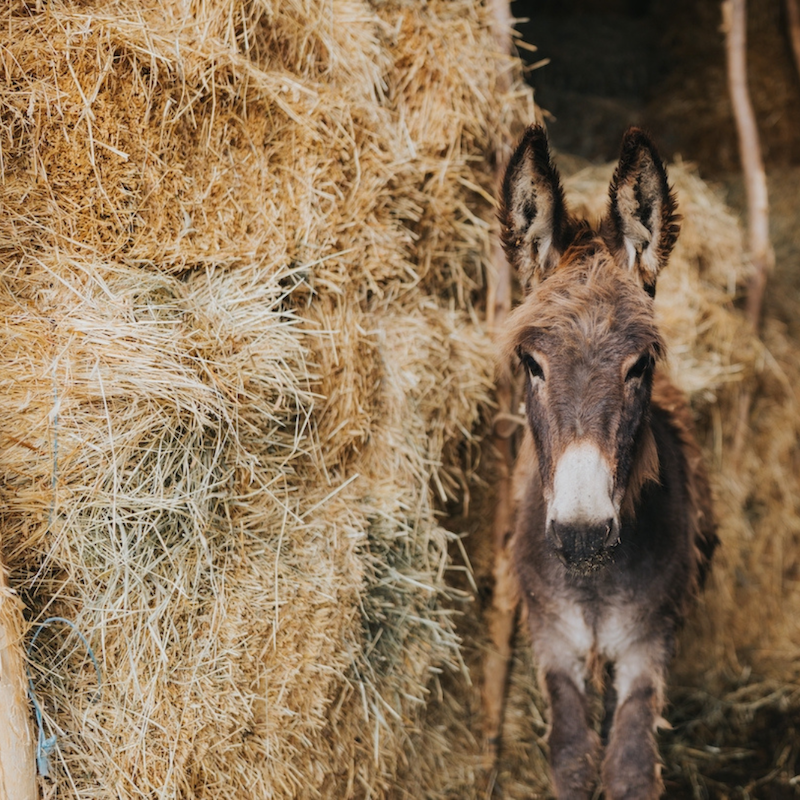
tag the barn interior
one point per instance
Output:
(246, 271)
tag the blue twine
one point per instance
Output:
(46, 745)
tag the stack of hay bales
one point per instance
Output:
(243, 248)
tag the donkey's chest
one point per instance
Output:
(590, 632)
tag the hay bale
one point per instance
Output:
(243, 253)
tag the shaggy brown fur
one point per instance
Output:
(614, 527)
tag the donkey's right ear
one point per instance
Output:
(533, 214)
(642, 223)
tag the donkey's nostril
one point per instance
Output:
(612, 533)
(554, 532)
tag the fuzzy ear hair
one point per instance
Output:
(533, 214)
(642, 224)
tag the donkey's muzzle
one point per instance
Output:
(584, 547)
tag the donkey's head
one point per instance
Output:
(586, 338)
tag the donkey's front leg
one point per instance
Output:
(574, 746)
(631, 768)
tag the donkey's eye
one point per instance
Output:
(532, 365)
(644, 364)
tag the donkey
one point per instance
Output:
(613, 528)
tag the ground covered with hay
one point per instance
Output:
(244, 266)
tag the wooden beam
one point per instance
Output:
(17, 758)
(734, 15)
(501, 617)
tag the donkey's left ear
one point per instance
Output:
(641, 225)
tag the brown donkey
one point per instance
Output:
(613, 528)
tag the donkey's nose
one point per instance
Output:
(584, 546)
(612, 533)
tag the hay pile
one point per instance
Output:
(735, 687)
(242, 251)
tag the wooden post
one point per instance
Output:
(734, 15)
(793, 23)
(734, 23)
(501, 617)
(17, 757)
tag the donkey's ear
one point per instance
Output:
(642, 225)
(533, 213)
